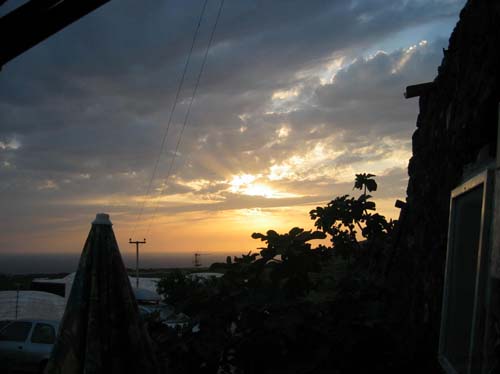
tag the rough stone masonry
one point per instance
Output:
(456, 134)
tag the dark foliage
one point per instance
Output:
(292, 308)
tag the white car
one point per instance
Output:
(25, 345)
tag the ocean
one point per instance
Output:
(37, 263)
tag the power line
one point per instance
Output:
(174, 105)
(188, 112)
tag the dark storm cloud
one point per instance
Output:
(89, 106)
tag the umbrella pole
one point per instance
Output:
(17, 299)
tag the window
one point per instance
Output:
(43, 334)
(16, 332)
(463, 313)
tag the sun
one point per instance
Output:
(254, 185)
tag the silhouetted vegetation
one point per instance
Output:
(293, 307)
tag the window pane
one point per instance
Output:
(43, 334)
(16, 332)
(466, 225)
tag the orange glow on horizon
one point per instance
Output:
(221, 231)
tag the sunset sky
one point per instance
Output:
(296, 97)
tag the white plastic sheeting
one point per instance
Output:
(67, 281)
(143, 294)
(31, 305)
(204, 276)
(144, 283)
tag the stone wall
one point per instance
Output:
(456, 128)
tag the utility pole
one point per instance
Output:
(137, 242)
(197, 259)
(197, 262)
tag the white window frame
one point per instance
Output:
(485, 178)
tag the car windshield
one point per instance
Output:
(16, 331)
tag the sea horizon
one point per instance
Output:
(52, 263)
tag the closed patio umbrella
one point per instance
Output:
(101, 331)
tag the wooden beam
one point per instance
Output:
(400, 204)
(418, 89)
(36, 20)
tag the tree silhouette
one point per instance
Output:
(293, 307)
